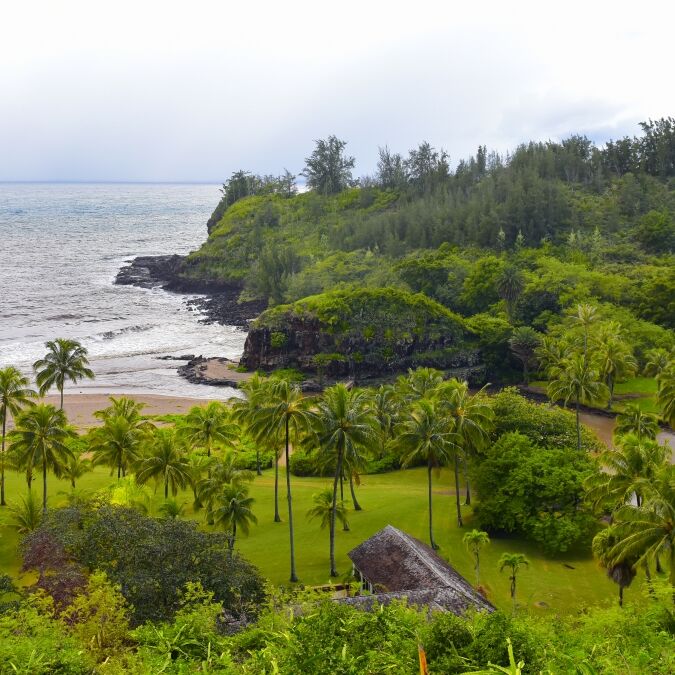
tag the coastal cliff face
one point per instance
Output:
(369, 333)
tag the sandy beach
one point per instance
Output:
(80, 408)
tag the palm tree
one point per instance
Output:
(283, 414)
(14, 394)
(118, 442)
(234, 511)
(633, 420)
(426, 436)
(644, 531)
(344, 428)
(199, 464)
(474, 541)
(666, 393)
(576, 380)
(627, 467)
(622, 572)
(524, 342)
(223, 472)
(164, 461)
(513, 562)
(615, 358)
(65, 360)
(324, 511)
(125, 407)
(27, 515)
(40, 440)
(472, 418)
(75, 468)
(207, 425)
(551, 352)
(657, 361)
(510, 285)
(171, 509)
(418, 384)
(586, 316)
(385, 408)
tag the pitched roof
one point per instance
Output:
(399, 565)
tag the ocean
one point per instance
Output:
(61, 246)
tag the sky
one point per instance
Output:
(194, 90)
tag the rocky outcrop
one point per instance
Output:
(150, 271)
(215, 371)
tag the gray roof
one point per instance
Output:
(400, 566)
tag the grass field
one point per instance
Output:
(563, 584)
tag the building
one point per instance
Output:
(393, 565)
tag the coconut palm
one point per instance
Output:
(171, 509)
(283, 414)
(323, 510)
(206, 426)
(551, 352)
(633, 420)
(620, 572)
(510, 285)
(524, 342)
(233, 511)
(627, 467)
(426, 436)
(576, 380)
(26, 515)
(75, 468)
(65, 360)
(666, 393)
(614, 357)
(513, 562)
(125, 407)
(14, 395)
(199, 464)
(385, 408)
(418, 384)
(472, 419)
(164, 461)
(345, 428)
(39, 440)
(646, 530)
(223, 472)
(585, 316)
(474, 541)
(657, 360)
(118, 443)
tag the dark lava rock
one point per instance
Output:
(184, 357)
(195, 371)
(149, 271)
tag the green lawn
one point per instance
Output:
(399, 498)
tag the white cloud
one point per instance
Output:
(190, 91)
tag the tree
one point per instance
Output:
(207, 425)
(74, 468)
(283, 414)
(586, 316)
(344, 427)
(644, 531)
(510, 284)
(391, 171)
(326, 512)
(471, 418)
(417, 384)
(524, 342)
(385, 408)
(474, 541)
(513, 562)
(666, 393)
(615, 358)
(633, 420)
(622, 572)
(233, 511)
(657, 360)
(165, 462)
(224, 472)
(26, 515)
(14, 395)
(426, 436)
(328, 170)
(576, 380)
(125, 407)
(40, 440)
(118, 442)
(65, 360)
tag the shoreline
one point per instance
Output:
(80, 408)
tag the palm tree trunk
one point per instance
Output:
(257, 462)
(294, 576)
(234, 536)
(610, 386)
(357, 506)
(513, 591)
(460, 522)
(119, 468)
(338, 471)
(166, 488)
(61, 392)
(467, 499)
(342, 487)
(44, 485)
(620, 595)
(578, 426)
(2, 462)
(277, 517)
(431, 522)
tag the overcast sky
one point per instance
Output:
(193, 90)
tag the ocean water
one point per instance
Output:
(61, 246)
